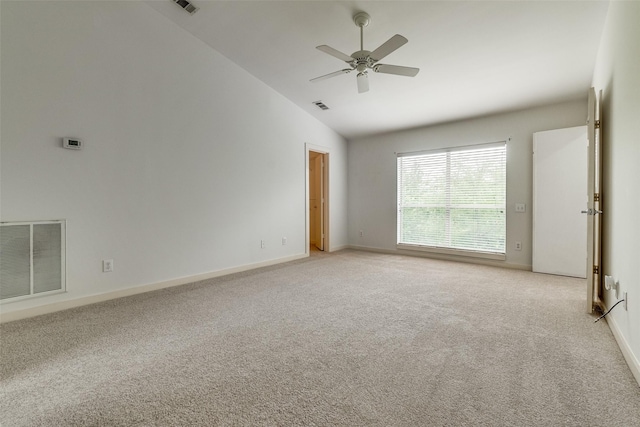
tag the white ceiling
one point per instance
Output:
(475, 57)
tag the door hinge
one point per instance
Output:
(597, 124)
(596, 197)
(596, 269)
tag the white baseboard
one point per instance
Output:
(631, 359)
(92, 299)
(443, 257)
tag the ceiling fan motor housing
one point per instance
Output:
(362, 60)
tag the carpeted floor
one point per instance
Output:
(344, 339)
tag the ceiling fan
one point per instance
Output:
(363, 60)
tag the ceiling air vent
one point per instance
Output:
(186, 6)
(320, 105)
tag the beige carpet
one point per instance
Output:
(345, 339)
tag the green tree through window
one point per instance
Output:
(454, 198)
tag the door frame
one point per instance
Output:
(594, 204)
(326, 154)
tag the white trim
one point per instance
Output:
(37, 221)
(480, 146)
(629, 357)
(443, 257)
(31, 273)
(449, 251)
(423, 164)
(63, 259)
(92, 299)
(7, 301)
(327, 195)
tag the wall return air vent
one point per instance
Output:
(32, 259)
(189, 7)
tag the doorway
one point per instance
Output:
(317, 163)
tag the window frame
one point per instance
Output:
(63, 259)
(441, 249)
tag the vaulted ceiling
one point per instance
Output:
(475, 57)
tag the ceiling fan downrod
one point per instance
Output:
(362, 19)
(362, 62)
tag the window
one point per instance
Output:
(454, 199)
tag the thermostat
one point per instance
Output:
(73, 143)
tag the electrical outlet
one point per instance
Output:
(518, 246)
(609, 282)
(284, 241)
(361, 233)
(107, 265)
(521, 207)
(262, 245)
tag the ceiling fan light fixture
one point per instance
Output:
(363, 82)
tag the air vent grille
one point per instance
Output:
(32, 260)
(189, 7)
(321, 105)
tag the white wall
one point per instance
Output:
(372, 171)
(617, 74)
(188, 162)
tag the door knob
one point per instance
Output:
(591, 212)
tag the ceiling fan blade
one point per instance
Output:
(387, 47)
(396, 69)
(363, 83)
(328, 76)
(336, 53)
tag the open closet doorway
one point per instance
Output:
(317, 199)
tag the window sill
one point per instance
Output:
(457, 252)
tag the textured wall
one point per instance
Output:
(189, 161)
(372, 170)
(617, 75)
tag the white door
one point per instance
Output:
(559, 194)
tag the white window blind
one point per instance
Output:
(454, 198)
